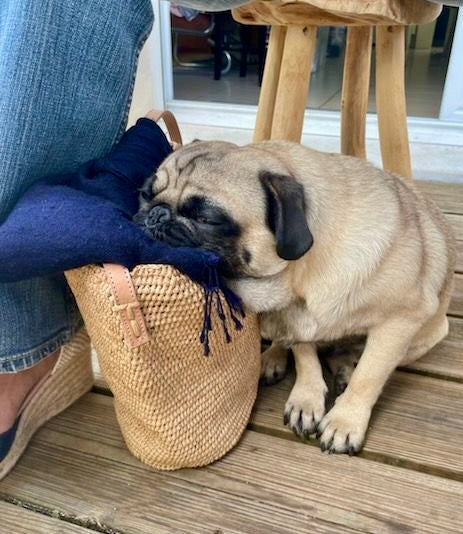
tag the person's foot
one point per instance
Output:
(14, 388)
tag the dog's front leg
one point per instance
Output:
(305, 406)
(343, 428)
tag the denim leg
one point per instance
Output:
(66, 77)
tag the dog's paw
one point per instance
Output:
(305, 408)
(274, 363)
(343, 428)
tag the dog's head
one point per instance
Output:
(240, 203)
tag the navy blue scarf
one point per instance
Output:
(71, 220)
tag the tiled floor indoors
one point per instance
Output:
(425, 75)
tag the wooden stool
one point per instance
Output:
(290, 54)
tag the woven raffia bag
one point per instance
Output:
(176, 407)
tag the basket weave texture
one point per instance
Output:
(176, 407)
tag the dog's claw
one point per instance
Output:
(297, 426)
(286, 416)
(270, 380)
(327, 445)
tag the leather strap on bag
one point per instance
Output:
(127, 305)
(125, 297)
(171, 124)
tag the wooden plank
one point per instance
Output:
(266, 484)
(456, 304)
(448, 196)
(456, 221)
(417, 422)
(18, 520)
(445, 360)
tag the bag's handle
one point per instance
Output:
(127, 305)
(171, 123)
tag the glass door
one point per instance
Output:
(181, 64)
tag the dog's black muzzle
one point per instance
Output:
(157, 216)
(159, 223)
(153, 219)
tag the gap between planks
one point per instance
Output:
(416, 423)
(79, 463)
(21, 517)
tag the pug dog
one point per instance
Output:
(322, 246)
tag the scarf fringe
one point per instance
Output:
(215, 291)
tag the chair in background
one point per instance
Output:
(219, 33)
(200, 34)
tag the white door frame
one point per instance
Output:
(452, 97)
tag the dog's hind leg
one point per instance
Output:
(341, 360)
(434, 329)
(430, 334)
(273, 365)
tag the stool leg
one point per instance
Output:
(293, 85)
(268, 91)
(390, 99)
(355, 85)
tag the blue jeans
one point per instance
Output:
(66, 77)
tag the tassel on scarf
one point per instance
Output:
(214, 291)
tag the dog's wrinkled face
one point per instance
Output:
(218, 197)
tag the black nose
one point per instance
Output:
(159, 214)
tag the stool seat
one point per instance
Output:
(286, 80)
(337, 12)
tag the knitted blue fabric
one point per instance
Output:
(68, 221)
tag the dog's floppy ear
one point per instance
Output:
(286, 215)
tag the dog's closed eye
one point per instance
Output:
(199, 210)
(145, 195)
(146, 191)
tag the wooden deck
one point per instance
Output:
(78, 477)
